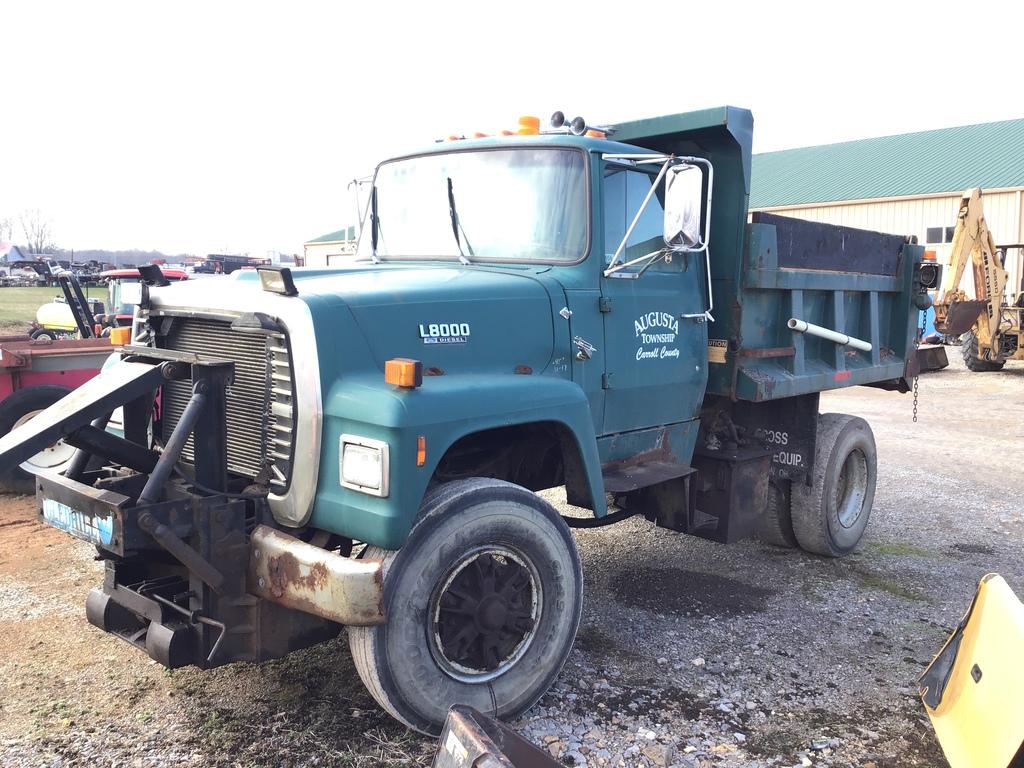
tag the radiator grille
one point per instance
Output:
(260, 401)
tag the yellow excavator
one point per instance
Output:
(989, 323)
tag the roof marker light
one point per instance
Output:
(528, 125)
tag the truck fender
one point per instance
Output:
(441, 411)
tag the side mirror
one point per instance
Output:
(683, 197)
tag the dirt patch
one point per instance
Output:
(974, 549)
(675, 590)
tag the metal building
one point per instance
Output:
(908, 184)
(330, 249)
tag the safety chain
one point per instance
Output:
(920, 337)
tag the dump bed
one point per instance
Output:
(852, 281)
(774, 268)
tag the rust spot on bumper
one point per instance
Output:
(298, 575)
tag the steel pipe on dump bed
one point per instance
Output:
(811, 329)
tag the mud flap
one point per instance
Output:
(95, 399)
(973, 688)
(932, 358)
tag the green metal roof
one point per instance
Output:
(987, 155)
(349, 233)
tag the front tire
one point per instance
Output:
(15, 411)
(972, 359)
(482, 602)
(831, 515)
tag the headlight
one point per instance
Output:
(364, 465)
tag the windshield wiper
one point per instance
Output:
(456, 226)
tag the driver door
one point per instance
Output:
(655, 358)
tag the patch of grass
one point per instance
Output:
(882, 583)
(18, 305)
(898, 549)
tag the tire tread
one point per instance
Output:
(810, 526)
(776, 525)
(974, 363)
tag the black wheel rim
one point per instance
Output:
(485, 613)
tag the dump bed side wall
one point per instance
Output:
(849, 280)
(856, 282)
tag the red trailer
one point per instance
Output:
(34, 374)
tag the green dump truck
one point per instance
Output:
(360, 446)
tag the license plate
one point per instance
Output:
(94, 528)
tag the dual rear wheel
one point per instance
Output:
(828, 515)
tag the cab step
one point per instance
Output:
(620, 478)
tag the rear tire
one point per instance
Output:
(969, 352)
(830, 515)
(15, 410)
(482, 602)
(776, 525)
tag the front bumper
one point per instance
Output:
(252, 592)
(194, 574)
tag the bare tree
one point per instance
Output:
(6, 229)
(37, 229)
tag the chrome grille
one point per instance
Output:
(260, 400)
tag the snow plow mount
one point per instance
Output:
(178, 540)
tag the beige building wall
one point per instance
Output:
(328, 254)
(1004, 212)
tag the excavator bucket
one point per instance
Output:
(961, 317)
(972, 689)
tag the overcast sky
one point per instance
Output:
(213, 126)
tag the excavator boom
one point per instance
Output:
(957, 313)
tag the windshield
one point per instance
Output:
(525, 204)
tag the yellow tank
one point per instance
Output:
(56, 315)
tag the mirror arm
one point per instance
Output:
(614, 266)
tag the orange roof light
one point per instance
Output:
(929, 255)
(121, 336)
(402, 372)
(595, 134)
(528, 125)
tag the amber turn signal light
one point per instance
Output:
(421, 451)
(120, 336)
(401, 372)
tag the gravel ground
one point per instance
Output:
(690, 653)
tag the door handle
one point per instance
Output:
(584, 349)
